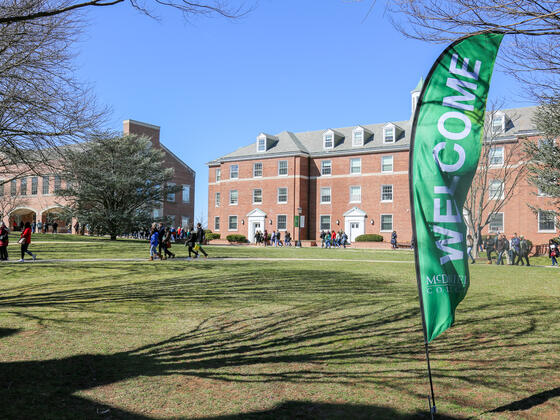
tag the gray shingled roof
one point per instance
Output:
(311, 142)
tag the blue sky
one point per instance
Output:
(213, 85)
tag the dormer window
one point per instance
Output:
(498, 123)
(328, 141)
(261, 144)
(389, 134)
(265, 142)
(358, 137)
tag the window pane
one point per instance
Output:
(325, 195)
(387, 164)
(281, 222)
(23, 186)
(217, 199)
(233, 197)
(282, 195)
(496, 222)
(186, 193)
(283, 167)
(257, 196)
(57, 183)
(13, 187)
(171, 195)
(218, 175)
(388, 134)
(358, 139)
(217, 223)
(356, 194)
(496, 156)
(495, 190)
(234, 171)
(1, 187)
(328, 141)
(387, 222)
(326, 167)
(257, 169)
(546, 221)
(45, 185)
(355, 166)
(386, 193)
(325, 222)
(232, 222)
(262, 145)
(34, 185)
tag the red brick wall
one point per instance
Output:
(306, 183)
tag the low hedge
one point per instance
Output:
(369, 237)
(210, 236)
(237, 238)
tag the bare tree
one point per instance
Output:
(9, 202)
(26, 10)
(496, 178)
(533, 28)
(42, 105)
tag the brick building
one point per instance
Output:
(352, 178)
(32, 197)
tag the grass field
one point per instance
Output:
(278, 338)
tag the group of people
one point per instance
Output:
(24, 241)
(161, 237)
(274, 239)
(514, 250)
(333, 239)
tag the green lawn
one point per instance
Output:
(228, 339)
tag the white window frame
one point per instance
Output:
(359, 160)
(218, 174)
(170, 197)
(231, 203)
(491, 156)
(322, 195)
(382, 164)
(355, 142)
(46, 191)
(57, 183)
(217, 223)
(494, 196)
(230, 218)
(186, 193)
(500, 229)
(23, 186)
(498, 119)
(324, 166)
(263, 140)
(285, 228)
(255, 165)
(321, 228)
(539, 224)
(392, 193)
(279, 168)
(34, 185)
(393, 131)
(232, 172)
(329, 135)
(13, 187)
(381, 222)
(278, 195)
(217, 199)
(359, 197)
(261, 195)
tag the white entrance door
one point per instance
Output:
(253, 228)
(356, 229)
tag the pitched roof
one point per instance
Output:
(311, 142)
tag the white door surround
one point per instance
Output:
(354, 223)
(255, 222)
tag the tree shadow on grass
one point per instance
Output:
(529, 402)
(358, 330)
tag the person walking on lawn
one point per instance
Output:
(200, 239)
(25, 241)
(154, 243)
(4, 240)
(191, 243)
(166, 243)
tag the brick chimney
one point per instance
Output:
(142, 129)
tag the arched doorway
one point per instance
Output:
(55, 221)
(20, 216)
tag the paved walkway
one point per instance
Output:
(39, 260)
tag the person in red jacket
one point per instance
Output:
(3, 242)
(25, 240)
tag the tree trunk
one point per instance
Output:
(113, 237)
